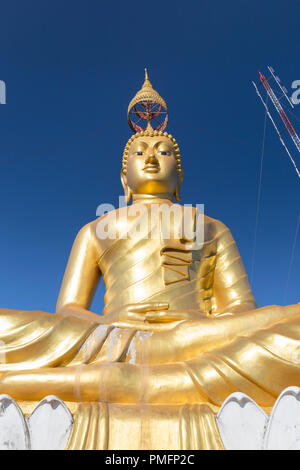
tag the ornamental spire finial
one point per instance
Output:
(149, 106)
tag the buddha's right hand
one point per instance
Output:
(134, 313)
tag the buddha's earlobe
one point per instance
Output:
(128, 194)
(177, 195)
(177, 190)
(127, 190)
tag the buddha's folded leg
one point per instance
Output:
(112, 382)
(36, 339)
(260, 357)
(261, 365)
(190, 339)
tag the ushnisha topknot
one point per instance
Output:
(151, 133)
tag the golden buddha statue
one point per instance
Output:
(180, 330)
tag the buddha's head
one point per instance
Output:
(152, 166)
(151, 161)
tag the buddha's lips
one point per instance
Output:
(149, 168)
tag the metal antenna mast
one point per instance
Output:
(280, 111)
(276, 128)
(282, 88)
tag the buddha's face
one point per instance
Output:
(152, 167)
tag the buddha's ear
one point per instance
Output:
(127, 190)
(178, 187)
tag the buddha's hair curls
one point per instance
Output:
(151, 133)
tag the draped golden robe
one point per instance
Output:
(157, 389)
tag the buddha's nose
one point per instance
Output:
(151, 159)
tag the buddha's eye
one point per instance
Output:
(139, 152)
(163, 152)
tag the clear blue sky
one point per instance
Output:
(71, 68)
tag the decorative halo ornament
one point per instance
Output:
(147, 110)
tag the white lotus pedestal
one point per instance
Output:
(242, 424)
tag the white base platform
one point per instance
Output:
(242, 424)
